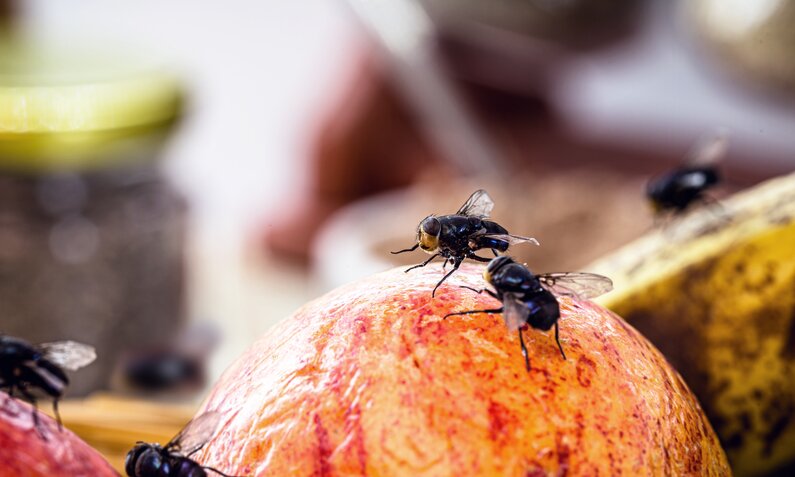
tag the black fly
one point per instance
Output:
(677, 190)
(26, 368)
(173, 459)
(530, 300)
(176, 368)
(458, 236)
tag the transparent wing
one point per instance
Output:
(69, 355)
(514, 312)
(512, 239)
(479, 204)
(709, 150)
(195, 434)
(578, 284)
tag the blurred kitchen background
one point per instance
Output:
(274, 150)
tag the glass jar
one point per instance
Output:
(91, 232)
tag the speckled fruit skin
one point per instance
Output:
(24, 453)
(370, 380)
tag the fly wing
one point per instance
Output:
(69, 355)
(515, 311)
(578, 284)
(195, 434)
(512, 239)
(479, 204)
(709, 150)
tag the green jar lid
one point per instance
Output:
(67, 109)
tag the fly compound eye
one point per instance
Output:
(431, 226)
(132, 459)
(498, 262)
(427, 242)
(495, 265)
(150, 462)
(428, 234)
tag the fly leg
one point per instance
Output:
(557, 340)
(410, 249)
(447, 259)
(667, 223)
(524, 351)
(57, 414)
(35, 415)
(716, 208)
(479, 259)
(217, 471)
(473, 289)
(456, 264)
(9, 399)
(426, 262)
(494, 295)
(494, 251)
(472, 312)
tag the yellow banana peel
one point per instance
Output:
(715, 291)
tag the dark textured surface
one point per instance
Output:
(127, 291)
(730, 333)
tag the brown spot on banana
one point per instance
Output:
(721, 307)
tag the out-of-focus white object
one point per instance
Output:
(338, 259)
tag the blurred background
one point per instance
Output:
(175, 177)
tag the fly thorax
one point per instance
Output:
(475, 223)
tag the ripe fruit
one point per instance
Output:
(370, 380)
(24, 453)
(714, 291)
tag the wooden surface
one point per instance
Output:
(113, 424)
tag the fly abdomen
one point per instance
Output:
(53, 369)
(544, 310)
(187, 468)
(711, 175)
(43, 379)
(493, 228)
(479, 242)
